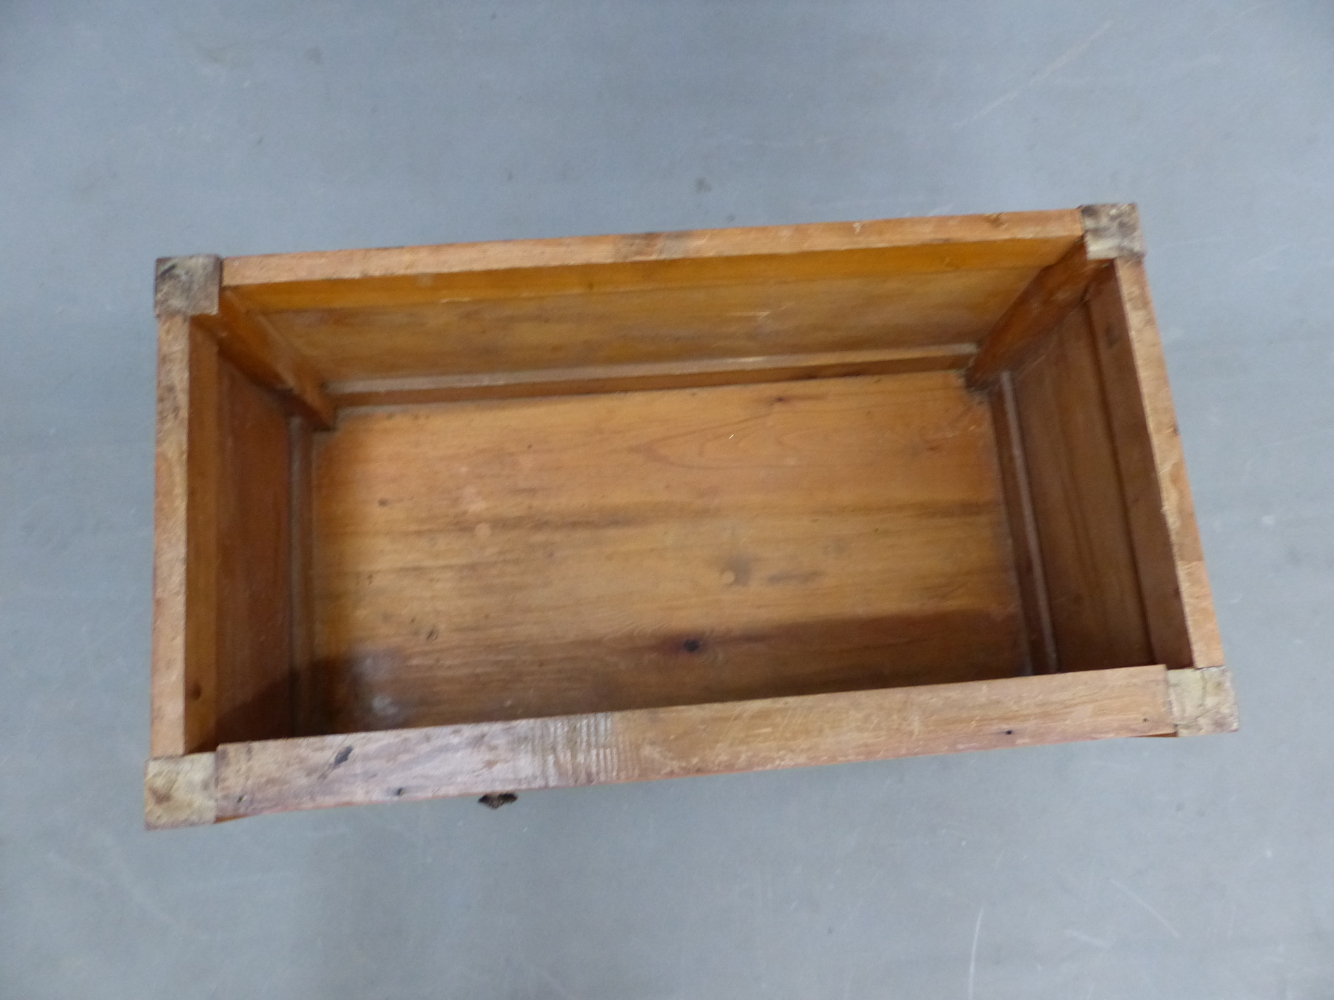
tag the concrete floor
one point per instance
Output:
(1174, 869)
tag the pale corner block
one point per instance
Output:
(1202, 701)
(180, 791)
(1111, 231)
(187, 286)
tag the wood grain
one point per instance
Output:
(184, 649)
(340, 278)
(1044, 303)
(253, 564)
(1162, 517)
(466, 332)
(527, 754)
(305, 705)
(1030, 572)
(536, 557)
(1083, 531)
(180, 791)
(659, 375)
(250, 342)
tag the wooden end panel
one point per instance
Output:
(1166, 538)
(185, 537)
(1083, 528)
(641, 745)
(253, 567)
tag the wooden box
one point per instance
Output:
(485, 518)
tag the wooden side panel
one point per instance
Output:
(253, 566)
(399, 275)
(498, 560)
(1088, 555)
(305, 706)
(465, 332)
(403, 765)
(1161, 516)
(1029, 570)
(184, 666)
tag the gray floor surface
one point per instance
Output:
(1174, 869)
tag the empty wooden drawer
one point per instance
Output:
(493, 517)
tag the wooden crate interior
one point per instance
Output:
(641, 483)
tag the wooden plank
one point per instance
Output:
(1162, 517)
(305, 719)
(465, 332)
(660, 375)
(250, 342)
(318, 280)
(1030, 574)
(253, 563)
(546, 556)
(184, 671)
(404, 765)
(1046, 301)
(1089, 560)
(180, 791)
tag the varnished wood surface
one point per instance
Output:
(504, 559)
(331, 278)
(1044, 303)
(527, 754)
(1088, 557)
(1162, 516)
(254, 596)
(653, 375)
(644, 299)
(1029, 568)
(466, 332)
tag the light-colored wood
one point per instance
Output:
(180, 791)
(1044, 303)
(250, 342)
(185, 599)
(522, 755)
(253, 563)
(302, 280)
(1202, 701)
(660, 375)
(1170, 557)
(1028, 565)
(1083, 532)
(1111, 232)
(547, 556)
(465, 332)
(187, 286)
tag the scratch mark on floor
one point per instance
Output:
(1142, 902)
(972, 957)
(1087, 938)
(1064, 59)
